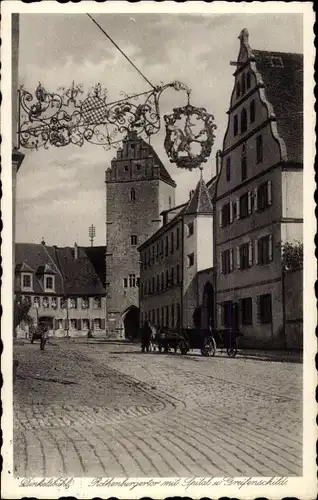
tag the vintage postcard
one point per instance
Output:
(159, 315)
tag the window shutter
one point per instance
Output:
(231, 213)
(270, 247)
(237, 208)
(250, 254)
(255, 200)
(256, 251)
(238, 263)
(79, 326)
(269, 192)
(102, 326)
(249, 202)
(231, 260)
(220, 217)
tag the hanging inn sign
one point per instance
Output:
(66, 117)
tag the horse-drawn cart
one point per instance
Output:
(226, 339)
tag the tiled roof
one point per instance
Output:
(200, 202)
(163, 172)
(72, 276)
(97, 257)
(284, 90)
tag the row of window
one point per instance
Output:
(79, 324)
(27, 282)
(131, 282)
(245, 310)
(247, 254)
(243, 84)
(256, 200)
(161, 282)
(162, 248)
(165, 316)
(244, 119)
(244, 173)
(72, 302)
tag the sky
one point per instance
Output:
(61, 191)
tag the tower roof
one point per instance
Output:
(200, 201)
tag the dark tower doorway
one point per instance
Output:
(131, 323)
(208, 306)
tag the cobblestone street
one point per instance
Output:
(105, 409)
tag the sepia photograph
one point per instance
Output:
(158, 250)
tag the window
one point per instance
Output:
(265, 308)
(85, 324)
(158, 283)
(228, 169)
(26, 281)
(138, 166)
(190, 259)
(45, 302)
(54, 303)
(243, 83)
(178, 273)
(244, 206)
(73, 303)
(153, 284)
(264, 195)
(162, 281)
(172, 276)
(252, 111)
(243, 120)
(63, 303)
(167, 316)
(190, 229)
(167, 278)
(178, 316)
(36, 301)
(125, 282)
(137, 282)
(73, 324)
(97, 303)
(158, 316)
(235, 126)
(238, 90)
(243, 167)
(48, 283)
(244, 256)
(178, 238)
(133, 240)
(246, 311)
(132, 195)
(234, 210)
(85, 302)
(172, 315)
(259, 149)
(172, 242)
(227, 261)
(59, 324)
(97, 324)
(248, 80)
(226, 215)
(264, 250)
(276, 62)
(166, 245)
(227, 313)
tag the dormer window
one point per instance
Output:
(49, 283)
(276, 62)
(26, 282)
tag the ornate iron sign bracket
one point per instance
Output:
(59, 119)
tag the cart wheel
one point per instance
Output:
(232, 352)
(209, 347)
(31, 340)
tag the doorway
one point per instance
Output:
(131, 323)
(208, 306)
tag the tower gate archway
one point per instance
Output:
(130, 319)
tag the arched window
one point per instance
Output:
(252, 111)
(238, 90)
(248, 80)
(132, 195)
(243, 83)
(243, 120)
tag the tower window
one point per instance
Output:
(259, 149)
(126, 168)
(248, 80)
(243, 120)
(243, 83)
(238, 90)
(228, 169)
(235, 127)
(132, 195)
(243, 167)
(190, 259)
(133, 240)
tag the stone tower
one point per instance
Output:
(138, 189)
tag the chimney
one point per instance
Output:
(43, 242)
(75, 251)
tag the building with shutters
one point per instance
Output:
(176, 265)
(138, 189)
(64, 287)
(259, 192)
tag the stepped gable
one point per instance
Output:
(282, 75)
